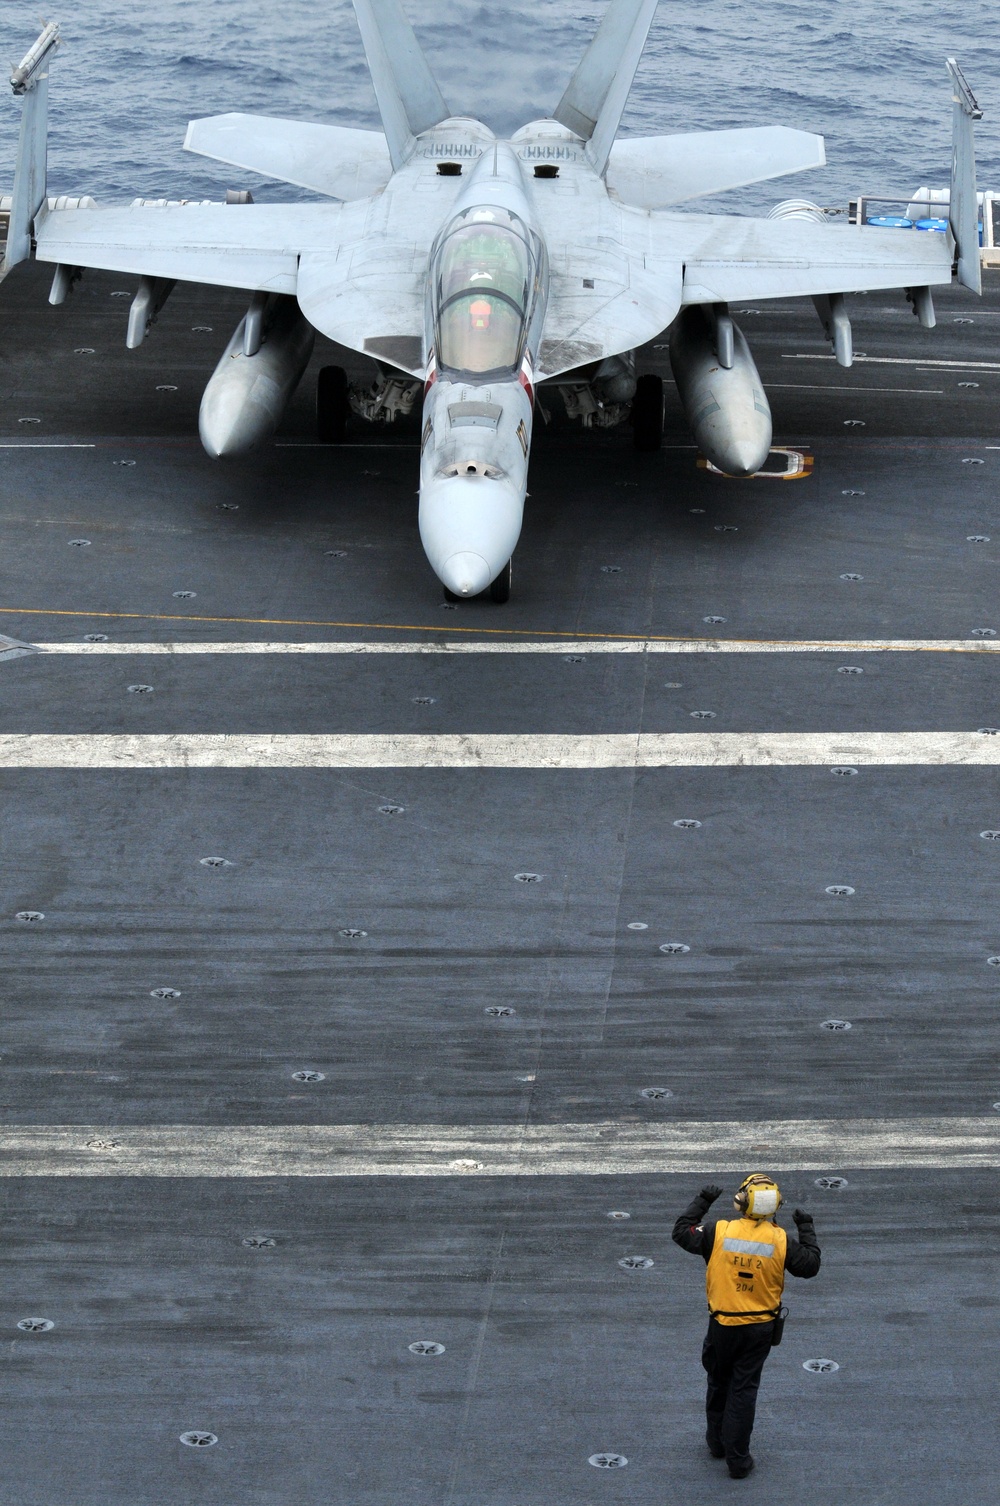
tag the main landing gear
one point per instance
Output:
(647, 414)
(498, 590)
(333, 405)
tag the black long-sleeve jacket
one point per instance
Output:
(692, 1232)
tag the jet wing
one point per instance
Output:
(339, 161)
(620, 282)
(606, 293)
(728, 259)
(369, 295)
(255, 246)
(603, 301)
(354, 283)
(653, 172)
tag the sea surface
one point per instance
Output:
(868, 76)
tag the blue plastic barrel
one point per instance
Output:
(941, 225)
(890, 221)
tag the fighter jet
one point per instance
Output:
(472, 270)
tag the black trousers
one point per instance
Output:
(733, 1357)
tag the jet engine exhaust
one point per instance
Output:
(725, 407)
(247, 395)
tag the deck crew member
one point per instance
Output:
(746, 1257)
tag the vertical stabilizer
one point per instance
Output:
(409, 99)
(30, 79)
(964, 210)
(594, 100)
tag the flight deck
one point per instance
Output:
(400, 968)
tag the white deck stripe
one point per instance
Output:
(560, 646)
(899, 361)
(832, 387)
(423, 1150)
(528, 750)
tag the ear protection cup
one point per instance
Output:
(758, 1197)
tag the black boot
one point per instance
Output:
(740, 1471)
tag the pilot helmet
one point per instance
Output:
(758, 1197)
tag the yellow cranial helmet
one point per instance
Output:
(758, 1197)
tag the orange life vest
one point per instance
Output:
(746, 1271)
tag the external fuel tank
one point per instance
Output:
(724, 405)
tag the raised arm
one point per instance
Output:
(690, 1231)
(802, 1255)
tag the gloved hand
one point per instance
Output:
(801, 1218)
(710, 1193)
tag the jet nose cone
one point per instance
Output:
(465, 574)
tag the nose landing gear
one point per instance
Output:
(500, 588)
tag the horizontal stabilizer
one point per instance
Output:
(653, 172)
(339, 161)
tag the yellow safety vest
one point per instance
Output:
(746, 1271)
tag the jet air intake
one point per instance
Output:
(720, 389)
(248, 393)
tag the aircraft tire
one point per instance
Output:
(333, 407)
(647, 414)
(452, 596)
(500, 588)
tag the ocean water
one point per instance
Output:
(867, 74)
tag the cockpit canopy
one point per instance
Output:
(485, 278)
